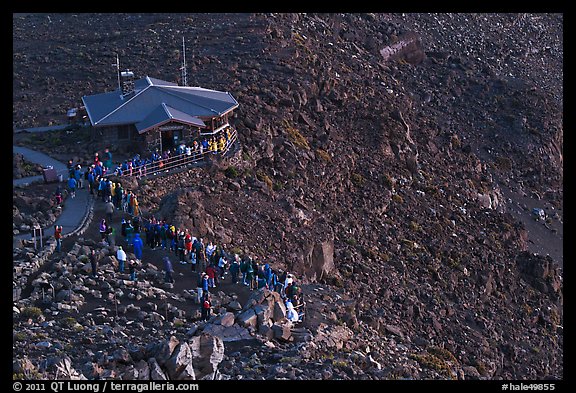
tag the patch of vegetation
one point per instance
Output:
(351, 241)
(432, 362)
(527, 309)
(31, 312)
(442, 353)
(278, 186)
(340, 363)
(388, 181)
(336, 281)
(409, 244)
(232, 172)
(266, 179)
(84, 258)
(397, 198)
(555, 317)
(357, 179)
(431, 190)
(451, 262)
(19, 336)
(323, 154)
(481, 368)
(28, 375)
(69, 322)
(415, 227)
(295, 136)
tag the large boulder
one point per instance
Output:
(316, 263)
(282, 331)
(179, 365)
(247, 318)
(207, 353)
(156, 373)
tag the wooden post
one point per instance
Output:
(116, 305)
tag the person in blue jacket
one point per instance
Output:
(72, 186)
(138, 246)
(168, 270)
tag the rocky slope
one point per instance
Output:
(383, 158)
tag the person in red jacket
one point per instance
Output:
(188, 243)
(206, 307)
(211, 273)
(58, 237)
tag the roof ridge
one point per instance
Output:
(120, 106)
(165, 107)
(190, 101)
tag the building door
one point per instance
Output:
(167, 140)
(171, 137)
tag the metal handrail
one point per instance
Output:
(178, 161)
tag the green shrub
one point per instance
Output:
(232, 172)
(388, 181)
(19, 336)
(357, 179)
(69, 322)
(295, 136)
(324, 155)
(265, 178)
(31, 312)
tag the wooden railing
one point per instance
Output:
(180, 160)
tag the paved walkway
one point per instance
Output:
(43, 129)
(75, 210)
(37, 157)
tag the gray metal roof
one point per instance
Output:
(106, 109)
(163, 114)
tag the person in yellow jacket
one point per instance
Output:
(136, 209)
(222, 144)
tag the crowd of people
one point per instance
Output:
(209, 263)
(96, 174)
(140, 166)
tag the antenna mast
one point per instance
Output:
(117, 65)
(184, 80)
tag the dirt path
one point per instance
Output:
(184, 277)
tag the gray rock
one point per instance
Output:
(394, 330)
(247, 318)
(279, 313)
(156, 373)
(207, 353)
(234, 305)
(180, 360)
(227, 319)
(165, 350)
(121, 355)
(471, 372)
(282, 331)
